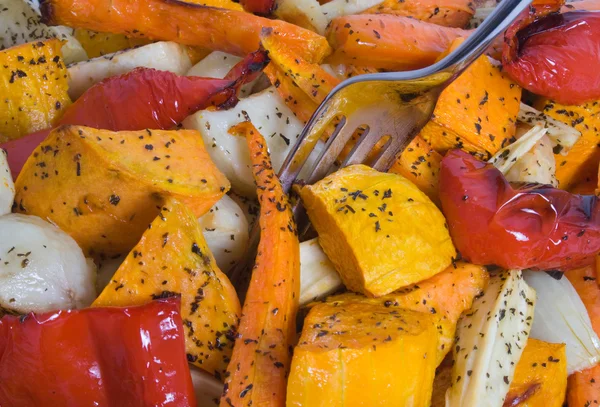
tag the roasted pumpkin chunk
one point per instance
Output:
(420, 164)
(581, 162)
(112, 184)
(540, 378)
(33, 85)
(445, 296)
(172, 258)
(379, 230)
(477, 112)
(363, 354)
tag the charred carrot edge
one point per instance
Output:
(584, 387)
(257, 373)
(311, 78)
(232, 31)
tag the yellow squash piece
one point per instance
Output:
(103, 188)
(445, 296)
(477, 112)
(97, 44)
(363, 354)
(33, 88)
(172, 258)
(540, 378)
(420, 164)
(581, 162)
(379, 230)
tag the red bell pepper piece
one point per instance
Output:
(516, 227)
(96, 357)
(261, 7)
(555, 55)
(144, 99)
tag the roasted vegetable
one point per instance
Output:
(563, 135)
(163, 56)
(263, 7)
(540, 378)
(33, 84)
(104, 356)
(583, 158)
(521, 226)
(477, 112)
(402, 44)
(555, 55)
(584, 386)
(449, 13)
(305, 13)
(172, 258)
(378, 229)
(258, 369)
(97, 44)
(173, 20)
(363, 354)
(318, 277)
(43, 269)
(113, 183)
(446, 296)
(420, 164)
(490, 341)
(7, 187)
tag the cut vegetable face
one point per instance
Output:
(378, 229)
(318, 277)
(113, 183)
(35, 94)
(540, 377)
(172, 258)
(561, 317)
(362, 353)
(261, 357)
(42, 269)
(7, 187)
(162, 56)
(225, 229)
(490, 340)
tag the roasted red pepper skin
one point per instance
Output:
(144, 99)
(555, 55)
(261, 7)
(516, 227)
(96, 357)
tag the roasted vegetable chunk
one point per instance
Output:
(540, 377)
(112, 183)
(449, 13)
(363, 354)
(172, 258)
(477, 112)
(33, 85)
(378, 229)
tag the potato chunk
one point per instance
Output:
(379, 230)
(363, 354)
(172, 258)
(112, 184)
(33, 85)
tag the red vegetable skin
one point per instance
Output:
(144, 99)
(261, 7)
(96, 357)
(555, 55)
(515, 227)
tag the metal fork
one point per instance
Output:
(391, 106)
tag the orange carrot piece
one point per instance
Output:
(298, 101)
(232, 31)
(387, 41)
(258, 369)
(449, 13)
(584, 387)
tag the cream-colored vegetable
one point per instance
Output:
(337, 8)
(20, 23)
(208, 389)
(506, 157)
(318, 277)
(7, 187)
(216, 65)
(106, 269)
(535, 166)
(268, 113)
(306, 13)
(490, 340)
(42, 268)
(225, 229)
(163, 56)
(563, 136)
(561, 317)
